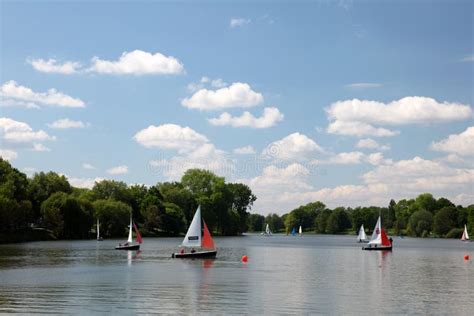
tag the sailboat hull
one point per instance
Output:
(363, 240)
(197, 254)
(128, 247)
(388, 248)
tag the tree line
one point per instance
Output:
(420, 217)
(48, 201)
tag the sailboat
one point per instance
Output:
(129, 245)
(197, 237)
(98, 231)
(362, 237)
(379, 240)
(465, 235)
(267, 231)
(300, 231)
(293, 232)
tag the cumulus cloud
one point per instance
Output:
(206, 81)
(238, 22)
(85, 183)
(369, 143)
(39, 147)
(170, 136)
(237, 94)
(14, 94)
(295, 146)
(468, 58)
(20, 132)
(67, 123)
(462, 144)
(246, 150)
(88, 166)
(269, 118)
(53, 66)
(138, 63)
(8, 154)
(359, 129)
(363, 85)
(118, 170)
(409, 110)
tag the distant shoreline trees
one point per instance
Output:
(48, 202)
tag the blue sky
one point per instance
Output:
(348, 103)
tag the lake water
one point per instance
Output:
(297, 275)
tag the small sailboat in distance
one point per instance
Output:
(293, 232)
(362, 237)
(379, 240)
(300, 231)
(197, 237)
(465, 235)
(98, 231)
(129, 245)
(267, 231)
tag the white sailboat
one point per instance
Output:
(300, 231)
(379, 240)
(98, 231)
(362, 237)
(129, 245)
(267, 231)
(199, 238)
(465, 235)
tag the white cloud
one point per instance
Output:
(236, 95)
(359, 129)
(86, 183)
(39, 147)
(53, 66)
(295, 146)
(369, 143)
(206, 81)
(88, 166)
(206, 156)
(377, 159)
(462, 144)
(118, 170)
(17, 103)
(20, 132)
(218, 83)
(22, 96)
(246, 150)
(170, 136)
(138, 63)
(363, 85)
(409, 110)
(468, 58)
(347, 158)
(67, 123)
(269, 118)
(8, 154)
(238, 22)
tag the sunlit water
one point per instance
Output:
(298, 275)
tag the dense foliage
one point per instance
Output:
(420, 217)
(48, 201)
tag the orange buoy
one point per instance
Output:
(466, 257)
(245, 258)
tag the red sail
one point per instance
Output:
(207, 241)
(385, 240)
(139, 236)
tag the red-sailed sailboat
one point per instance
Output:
(198, 242)
(379, 240)
(129, 245)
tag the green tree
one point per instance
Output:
(444, 220)
(256, 222)
(419, 223)
(426, 202)
(111, 189)
(43, 185)
(114, 217)
(242, 200)
(391, 216)
(274, 221)
(176, 193)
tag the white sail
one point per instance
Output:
(130, 231)
(362, 235)
(465, 234)
(300, 230)
(376, 235)
(98, 232)
(193, 236)
(267, 230)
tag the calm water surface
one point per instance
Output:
(298, 275)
